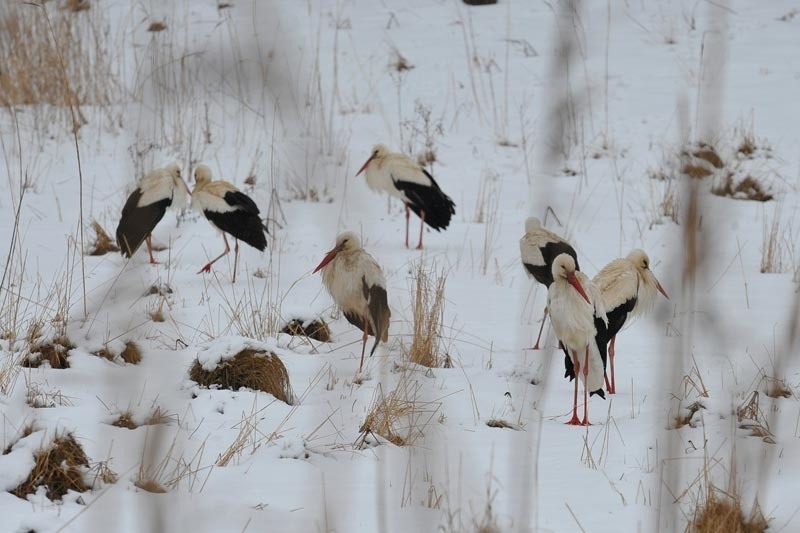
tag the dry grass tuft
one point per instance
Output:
(685, 417)
(696, 171)
(251, 369)
(772, 253)
(747, 189)
(314, 329)
(76, 6)
(399, 62)
(752, 419)
(399, 417)
(721, 512)
(105, 353)
(103, 243)
(126, 420)
(55, 353)
(161, 290)
(131, 354)
(32, 71)
(502, 424)
(747, 147)
(157, 26)
(150, 485)
(59, 468)
(427, 306)
(707, 153)
(39, 397)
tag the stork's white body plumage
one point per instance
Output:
(629, 289)
(538, 248)
(230, 211)
(399, 176)
(161, 184)
(156, 192)
(357, 285)
(574, 303)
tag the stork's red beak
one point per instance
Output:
(327, 259)
(365, 164)
(573, 280)
(661, 289)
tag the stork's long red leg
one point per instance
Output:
(207, 267)
(541, 328)
(577, 364)
(408, 215)
(585, 389)
(149, 242)
(421, 227)
(235, 258)
(363, 344)
(613, 389)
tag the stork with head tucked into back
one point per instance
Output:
(355, 282)
(399, 176)
(230, 211)
(628, 287)
(145, 207)
(538, 249)
(576, 310)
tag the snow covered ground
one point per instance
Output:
(528, 105)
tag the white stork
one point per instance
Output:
(229, 210)
(576, 308)
(628, 287)
(355, 282)
(145, 207)
(538, 249)
(399, 176)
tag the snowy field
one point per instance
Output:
(592, 114)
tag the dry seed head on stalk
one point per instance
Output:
(252, 369)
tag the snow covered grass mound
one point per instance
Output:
(236, 362)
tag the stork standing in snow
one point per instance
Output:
(400, 176)
(355, 282)
(229, 210)
(145, 207)
(628, 287)
(576, 310)
(538, 249)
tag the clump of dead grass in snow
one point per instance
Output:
(157, 26)
(752, 419)
(315, 329)
(427, 305)
(103, 243)
(748, 188)
(128, 420)
(721, 512)
(257, 370)
(60, 467)
(400, 416)
(53, 353)
(131, 354)
(170, 472)
(773, 247)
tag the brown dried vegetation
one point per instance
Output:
(251, 369)
(59, 468)
(315, 329)
(103, 243)
(55, 353)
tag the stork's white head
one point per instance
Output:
(640, 260)
(202, 174)
(379, 151)
(532, 224)
(174, 170)
(564, 268)
(345, 243)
